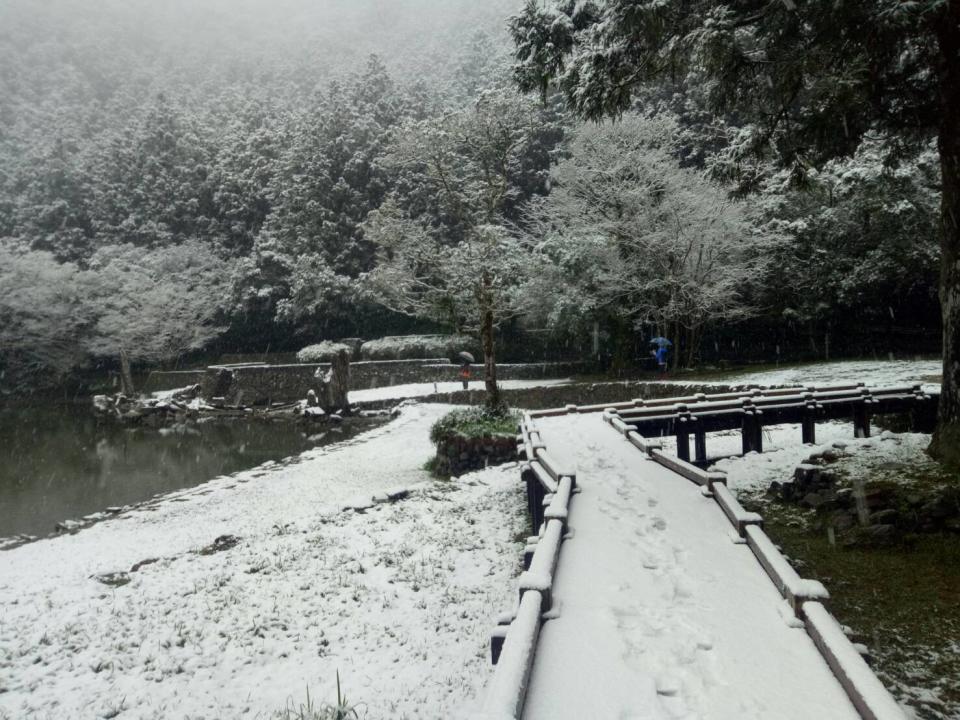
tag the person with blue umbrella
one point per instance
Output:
(661, 353)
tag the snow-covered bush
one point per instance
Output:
(412, 347)
(322, 351)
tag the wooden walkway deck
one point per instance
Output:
(652, 594)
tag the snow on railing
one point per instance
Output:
(513, 643)
(750, 411)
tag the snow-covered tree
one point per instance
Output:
(863, 243)
(43, 319)
(638, 235)
(156, 304)
(445, 249)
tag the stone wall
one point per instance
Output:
(171, 380)
(550, 396)
(457, 454)
(260, 384)
(257, 384)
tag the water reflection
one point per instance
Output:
(57, 461)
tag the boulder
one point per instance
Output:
(884, 517)
(812, 500)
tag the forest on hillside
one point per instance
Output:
(182, 177)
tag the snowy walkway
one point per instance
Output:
(416, 390)
(397, 598)
(661, 614)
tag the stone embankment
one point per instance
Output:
(457, 454)
(259, 383)
(873, 512)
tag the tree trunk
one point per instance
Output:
(494, 402)
(126, 376)
(675, 355)
(339, 387)
(946, 439)
(693, 341)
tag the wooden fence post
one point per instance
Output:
(861, 419)
(700, 445)
(682, 427)
(808, 426)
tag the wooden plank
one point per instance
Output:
(619, 425)
(681, 467)
(734, 511)
(784, 577)
(545, 478)
(868, 695)
(507, 691)
(642, 443)
(559, 506)
(539, 577)
(552, 466)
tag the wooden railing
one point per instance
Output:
(807, 598)
(550, 488)
(749, 412)
(513, 643)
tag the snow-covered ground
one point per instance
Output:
(661, 614)
(397, 598)
(876, 373)
(414, 390)
(783, 451)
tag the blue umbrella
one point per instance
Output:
(661, 341)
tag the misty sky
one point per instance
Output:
(192, 39)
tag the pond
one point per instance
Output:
(58, 461)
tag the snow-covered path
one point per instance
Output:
(875, 373)
(397, 598)
(415, 390)
(661, 614)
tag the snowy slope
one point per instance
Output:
(397, 598)
(662, 615)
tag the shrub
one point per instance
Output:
(474, 422)
(322, 352)
(415, 347)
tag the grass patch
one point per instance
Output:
(475, 422)
(340, 710)
(432, 466)
(902, 601)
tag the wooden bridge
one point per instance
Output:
(650, 592)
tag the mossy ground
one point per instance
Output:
(902, 601)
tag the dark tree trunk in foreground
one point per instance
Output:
(489, 347)
(946, 440)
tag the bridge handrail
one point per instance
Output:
(506, 693)
(784, 400)
(513, 648)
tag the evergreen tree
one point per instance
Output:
(811, 77)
